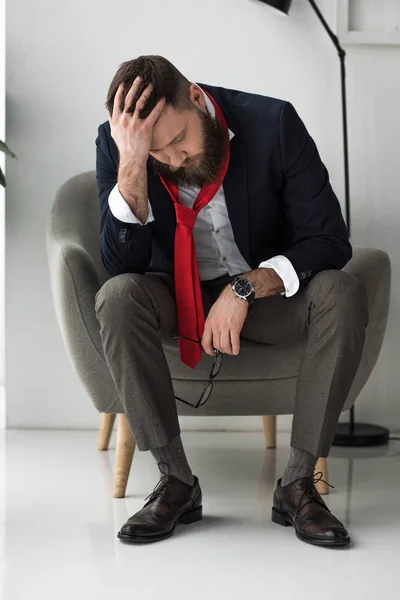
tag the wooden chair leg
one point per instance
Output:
(322, 466)
(270, 431)
(123, 457)
(105, 430)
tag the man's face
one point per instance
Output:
(188, 146)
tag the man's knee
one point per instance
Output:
(342, 292)
(119, 291)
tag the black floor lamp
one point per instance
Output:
(347, 434)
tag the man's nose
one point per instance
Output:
(177, 159)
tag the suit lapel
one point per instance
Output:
(164, 212)
(236, 195)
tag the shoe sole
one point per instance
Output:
(285, 520)
(187, 518)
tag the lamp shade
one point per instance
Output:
(282, 5)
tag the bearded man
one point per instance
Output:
(218, 223)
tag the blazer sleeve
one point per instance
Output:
(124, 247)
(313, 213)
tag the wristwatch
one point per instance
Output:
(244, 289)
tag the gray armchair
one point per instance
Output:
(260, 380)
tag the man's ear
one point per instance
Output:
(197, 97)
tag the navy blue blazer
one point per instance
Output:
(277, 191)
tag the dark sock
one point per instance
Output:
(301, 464)
(174, 456)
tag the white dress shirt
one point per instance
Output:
(216, 249)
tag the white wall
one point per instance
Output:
(61, 58)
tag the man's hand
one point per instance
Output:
(227, 315)
(132, 134)
(224, 324)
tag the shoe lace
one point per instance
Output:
(311, 494)
(161, 488)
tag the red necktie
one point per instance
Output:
(189, 303)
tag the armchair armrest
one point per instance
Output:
(372, 268)
(75, 281)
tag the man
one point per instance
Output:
(200, 183)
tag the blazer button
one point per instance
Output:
(122, 235)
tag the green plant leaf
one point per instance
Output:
(4, 148)
(2, 179)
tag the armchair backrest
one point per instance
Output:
(75, 218)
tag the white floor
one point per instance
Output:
(58, 524)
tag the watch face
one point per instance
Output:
(243, 288)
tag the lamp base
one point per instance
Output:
(360, 435)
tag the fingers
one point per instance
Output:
(141, 103)
(229, 342)
(207, 341)
(225, 342)
(142, 100)
(235, 342)
(156, 112)
(133, 90)
(120, 107)
(117, 102)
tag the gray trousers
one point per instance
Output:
(136, 311)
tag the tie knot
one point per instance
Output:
(185, 216)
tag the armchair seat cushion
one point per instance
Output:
(254, 361)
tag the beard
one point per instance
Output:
(208, 163)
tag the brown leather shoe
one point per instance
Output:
(299, 504)
(171, 502)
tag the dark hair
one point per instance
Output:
(167, 81)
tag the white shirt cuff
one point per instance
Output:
(121, 211)
(284, 268)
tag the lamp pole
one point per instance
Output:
(342, 56)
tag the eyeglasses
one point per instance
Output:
(208, 388)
